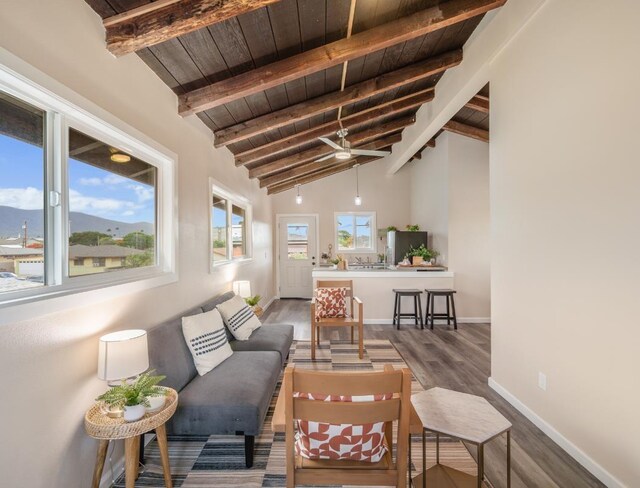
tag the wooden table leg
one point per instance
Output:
(103, 446)
(161, 432)
(131, 446)
(480, 464)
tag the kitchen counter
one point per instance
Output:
(375, 286)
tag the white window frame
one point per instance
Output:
(355, 250)
(232, 199)
(60, 116)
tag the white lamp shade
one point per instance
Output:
(123, 354)
(242, 288)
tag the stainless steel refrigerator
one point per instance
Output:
(400, 242)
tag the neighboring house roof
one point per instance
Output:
(107, 251)
(20, 251)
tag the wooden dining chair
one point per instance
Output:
(393, 404)
(353, 319)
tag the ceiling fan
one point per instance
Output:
(343, 148)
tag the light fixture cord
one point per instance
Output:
(357, 183)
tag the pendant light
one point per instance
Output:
(357, 200)
(298, 196)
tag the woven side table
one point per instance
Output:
(99, 426)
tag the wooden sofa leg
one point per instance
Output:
(249, 444)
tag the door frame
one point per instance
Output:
(277, 247)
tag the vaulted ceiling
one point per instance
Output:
(269, 77)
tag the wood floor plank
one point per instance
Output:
(461, 360)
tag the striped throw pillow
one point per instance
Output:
(207, 340)
(239, 318)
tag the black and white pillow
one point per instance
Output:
(239, 317)
(207, 340)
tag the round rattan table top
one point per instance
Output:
(100, 426)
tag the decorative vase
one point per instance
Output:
(342, 265)
(134, 412)
(257, 309)
(417, 260)
(155, 403)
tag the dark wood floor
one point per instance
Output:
(461, 360)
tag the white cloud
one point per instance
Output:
(24, 198)
(110, 179)
(114, 179)
(95, 205)
(144, 193)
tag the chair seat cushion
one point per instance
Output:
(233, 397)
(354, 442)
(272, 337)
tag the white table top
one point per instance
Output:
(467, 417)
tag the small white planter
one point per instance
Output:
(155, 403)
(136, 412)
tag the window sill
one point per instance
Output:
(224, 264)
(54, 299)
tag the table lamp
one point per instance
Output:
(242, 288)
(122, 355)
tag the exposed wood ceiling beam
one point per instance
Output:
(323, 57)
(330, 101)
(307, 168)
(352, 121)
(332, 170)
(479, 103)
(162, 20)
(323, 149)
(467, 130)
(430, 143)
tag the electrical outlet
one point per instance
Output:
(542, 381)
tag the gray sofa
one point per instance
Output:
(233, 398)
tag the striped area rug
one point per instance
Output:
(218, 461)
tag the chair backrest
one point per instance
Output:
(394, 407)
(348, 284)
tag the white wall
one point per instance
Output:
(387, 195)
(450, 199)
(48, 363)
(565, 228)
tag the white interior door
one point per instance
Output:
(297, 255)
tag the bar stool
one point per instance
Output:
(451, 310)
(417, 307)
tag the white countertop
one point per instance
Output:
(381, 273)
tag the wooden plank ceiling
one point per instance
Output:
(266, 76)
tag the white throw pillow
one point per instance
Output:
(207, 340)
(239, 317)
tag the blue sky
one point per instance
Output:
(91, 190)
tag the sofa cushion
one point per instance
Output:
(271, 337)
(207, 341)
(169, 354)
(218, 403)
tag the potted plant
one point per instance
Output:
(413, 228)
(340, 263)
(421, 254)
(253, 303)
(392, 228)
(134, 396)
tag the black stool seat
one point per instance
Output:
(416, 315)
(430, 312)
(407, 292)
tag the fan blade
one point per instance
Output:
(328, 156)
(330, 142)
(365, 152)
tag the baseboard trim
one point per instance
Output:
(269, 303)
(574, 451)
(118, 465)
(461, 320)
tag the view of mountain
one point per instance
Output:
(12, 219)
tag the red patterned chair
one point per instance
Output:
(339, 427)
(334, 305)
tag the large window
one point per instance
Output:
(81, 202)
(230, 226)
(355, 231)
